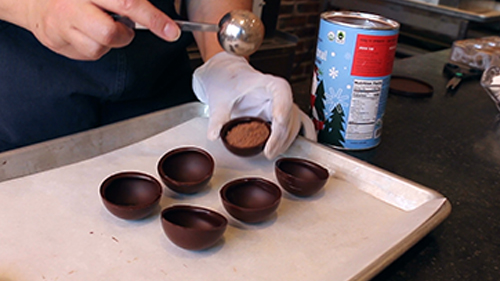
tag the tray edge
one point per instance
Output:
(84, 145)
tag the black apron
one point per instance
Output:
(44, 95)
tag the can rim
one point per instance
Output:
(388, 23)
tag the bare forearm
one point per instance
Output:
(82, 29)
(211, 11)
(15, 11)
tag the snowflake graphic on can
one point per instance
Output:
(334, 98)
(334, 73)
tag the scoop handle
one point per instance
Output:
(183, 25)
(197, 26)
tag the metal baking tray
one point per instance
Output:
(473, 13)
(54, 226)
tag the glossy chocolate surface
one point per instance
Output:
(131, 195)
(186, 170)
(408, 86)
(300, 177)
(191, 227)
(243, 151)
(250, 200)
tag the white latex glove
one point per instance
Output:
(232, 88)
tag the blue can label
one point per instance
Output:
(351, 78)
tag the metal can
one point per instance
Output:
(354, 58)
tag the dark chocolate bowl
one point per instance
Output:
(250, 200)
(300, 177)
(192, 227)
(130, 195)
(186, 169)
(244, 149)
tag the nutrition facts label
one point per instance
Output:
(363, 109)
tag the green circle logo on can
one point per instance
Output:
(340, 37)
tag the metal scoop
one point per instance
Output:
(239, 32)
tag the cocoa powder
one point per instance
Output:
(247, 134)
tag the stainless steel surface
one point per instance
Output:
(239, 32)
(476, 6)
(183, 25)
(448, 23)
(409, 14)
(486, 16)
(363, 219)
(197, 26)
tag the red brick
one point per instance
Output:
(292, 21)
(304, 57)
(306, 31)
(313, 19)
(300, 46)
(309, 44)
(301, 18)
(308, 7)
(286, 9)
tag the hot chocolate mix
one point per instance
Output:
(247, 134)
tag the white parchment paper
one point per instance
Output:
(53, 225)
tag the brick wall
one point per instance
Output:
(301, 18)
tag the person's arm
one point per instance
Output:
(211, 11)
(82, 29)
(231, 87)
(15, 11)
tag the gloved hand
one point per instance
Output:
(232, 88)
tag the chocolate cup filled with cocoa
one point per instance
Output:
(187, 169)
(245, 136)
(192, 227)
(300, 177)
(250, 200)
(131, 195)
